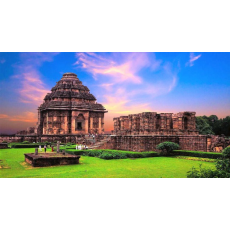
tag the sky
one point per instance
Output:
(124, 83)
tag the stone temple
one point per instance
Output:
(69, 110)
(152, 123)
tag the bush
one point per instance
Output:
(25, 142)
(92, 153)
(76, 152)
(226, 152)
(106, 156)
(27, 145)
(222, 169)
(211, 155)
(223, 165)
(202, 173)
(142, 154)
(116, 154)
(167, 147)
(4, 142)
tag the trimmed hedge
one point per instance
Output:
(27, 146)
(32, 145)
(112, 154)
(142, 154)
(211, 155)
(74, 152)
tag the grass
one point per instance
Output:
(13, 165)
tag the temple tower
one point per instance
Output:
(70, 109)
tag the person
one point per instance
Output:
(40, 148)
(45, 148)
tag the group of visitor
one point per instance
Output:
(81, 147)
(40, 148)
(93, 135)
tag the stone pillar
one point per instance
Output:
(91, 123)
(36, 151)
(209, 143)
(58, 146)
(47, 122)
(86, 116)
(163, 121)
(65, 125)
(99, 127)
(102, 124)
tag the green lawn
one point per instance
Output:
(12, 164)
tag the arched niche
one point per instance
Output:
(185, 123)
(79, 123)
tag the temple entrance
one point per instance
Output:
(185, 123)
(79, 123)
(79, 126)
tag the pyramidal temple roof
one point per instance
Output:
(69, 93)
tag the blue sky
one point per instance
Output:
(124, 83)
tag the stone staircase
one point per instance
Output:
(100, 143)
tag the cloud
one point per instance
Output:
(124, 80)
(3, 116)
(31, 87)
(192, 59)
(25, 117)
(117, 72)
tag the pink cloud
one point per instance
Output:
(25, 117)
(31, 87)
(121, 84)
(3, 116)
(126, 71)
(192, 59)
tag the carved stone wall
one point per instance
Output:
(70, 109)
(151, 123)
(141, 143)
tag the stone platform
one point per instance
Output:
(50, 159)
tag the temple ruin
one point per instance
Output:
(70, 112)
(70, 109)
(152, 123)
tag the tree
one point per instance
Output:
(225, 127)
(226, 152)
(222, 168)
(213, 125)
(212, 119)
(167, 147)
(203, 126)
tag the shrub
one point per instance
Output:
(26, 145)
(76, 152)
(167, 147)
(117, 154)
(223, 165)
(222, 169)
(25, 142)
(212, 155)
(202, 173)
(106, 156)
(226, 152)
(4, 142)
